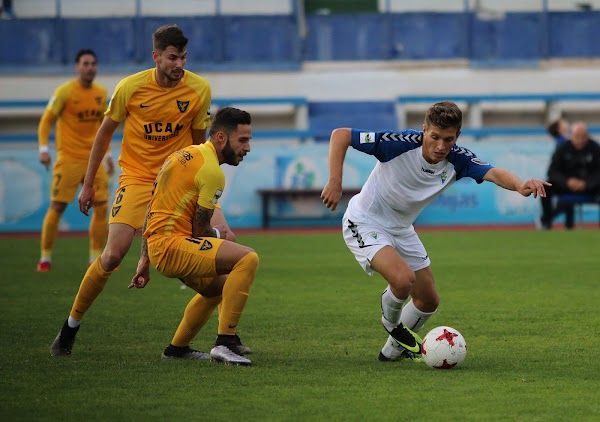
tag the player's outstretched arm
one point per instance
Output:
(508, 180)
(101, 143)
(339, 143)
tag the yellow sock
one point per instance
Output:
(235, 293)
(49, 233)
(196, 314)
(92, 284)
(98, 230)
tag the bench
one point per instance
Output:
(267, 195)
(578, 200)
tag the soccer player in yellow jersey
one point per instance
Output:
(78, 107)
(181, 243)
(165, 109)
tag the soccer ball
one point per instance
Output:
(444, 348)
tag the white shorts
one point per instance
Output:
(366, 239)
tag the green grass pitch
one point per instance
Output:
(527, 303)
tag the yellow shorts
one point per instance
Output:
(192, 260)
(68, 175)
(129, 205)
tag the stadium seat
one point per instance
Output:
(323, 117)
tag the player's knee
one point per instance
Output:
(111, 258)
(251, 260)
(403, 280)
(58, 207)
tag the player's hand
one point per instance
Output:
(535, 187)
(331, 195)
(142, 276)
(110, 165)
(86, 199)
(45, 159)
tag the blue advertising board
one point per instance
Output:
(25, 186)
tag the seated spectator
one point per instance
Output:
(575, 168)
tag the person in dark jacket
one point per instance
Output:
(575, 168)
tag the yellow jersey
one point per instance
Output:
(188, 177)
(158, 120)
(79, 112)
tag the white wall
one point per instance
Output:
(353, 81)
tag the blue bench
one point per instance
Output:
(578, 200)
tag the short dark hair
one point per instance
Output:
(553, 128)
(168, 35)
(444, 115)
(83, 52)
(227, 119)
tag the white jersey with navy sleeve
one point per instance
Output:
(402, 183)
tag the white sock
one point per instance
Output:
(391, 308)
(413, 318)
(72, 322)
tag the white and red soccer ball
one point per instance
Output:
(444, 348)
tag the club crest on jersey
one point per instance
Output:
(444, 176)
(367, 137)
(98, 100)
(218, 194)
(374, 235)
(478, 161)
(183, 105)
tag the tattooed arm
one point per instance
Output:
(201, 226)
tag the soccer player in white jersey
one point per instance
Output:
(414, 168)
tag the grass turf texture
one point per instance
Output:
(526, 302)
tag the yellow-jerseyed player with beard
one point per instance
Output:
(77, 106)
(181, 243)
(165, 109)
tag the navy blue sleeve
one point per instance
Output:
(467, 164)
(386, 145)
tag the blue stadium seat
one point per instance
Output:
(113, 39)
(323, 117)
(517, 36)
(260, 39)
(30, 42)
(413, 38)
(574, 34)
(348, 37)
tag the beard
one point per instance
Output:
(229, 154)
